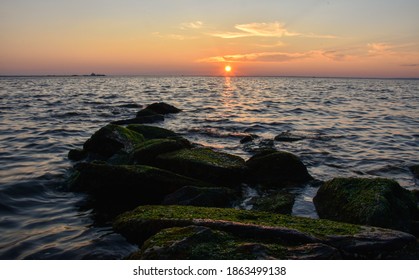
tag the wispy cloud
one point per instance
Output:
(257, 57)
(192, 25)
(173, 36)
(411, 65)
(265, 29)
(379, 49)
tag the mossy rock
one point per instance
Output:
(281, 202)
(202, 243)
(111, 139)
(153, 132)
(128, 186)
(148, 220)
(282, 230)
(376, 202)
(205, 164)
(196, 196)
(275, 169)
(146, 152)
(77, 154)
(415, 170)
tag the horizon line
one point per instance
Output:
(190, 75)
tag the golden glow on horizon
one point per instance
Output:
(193, 39)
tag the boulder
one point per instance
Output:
(77, 154)
(196, 196)
(146, 152)
(204, 164)
(281, 231)
(111, 139)
(153, 132)
(280, 202)
(376, 202)
(127, 186)
(287, 136)
(163, 108)
(276, 169)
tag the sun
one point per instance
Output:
(228, 68)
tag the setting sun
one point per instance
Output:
(228, 68)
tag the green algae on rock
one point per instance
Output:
(146, 152)
(204, 164)
(266, 228)
(112, 138)
(152, 132)
(376, 202)
(277, 169)
(203, 243)
(280, 202)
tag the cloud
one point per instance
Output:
(191, 25)
(379, 49)
(265, 29)
(173, 36)
(258, 57)
(411, 65)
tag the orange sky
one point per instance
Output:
(266, 37)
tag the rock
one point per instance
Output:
(415, 170)
(163, 108)
(127, 186)
(276, 169)
(281, 203)
(265, 228)
(415, 194)
(196, 196)
(153, 132)
(77, 154)
(248, 138)
(376, 202)
(111, 139)
(204, 164)
(314, 251)
(146, 152)
(288, 137)
(131, 105)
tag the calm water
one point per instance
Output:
(351, 127)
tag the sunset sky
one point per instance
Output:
(369, 38)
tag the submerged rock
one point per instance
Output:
(375, 202)
(264, 228)
(197, 196)
(248, 138)
(163, 108)
(276, 169)
(415, 170)
(127, 186)
(111, 139)
(204, 164)
(288, 137)
(281, 203)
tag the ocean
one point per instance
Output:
(345, 127)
